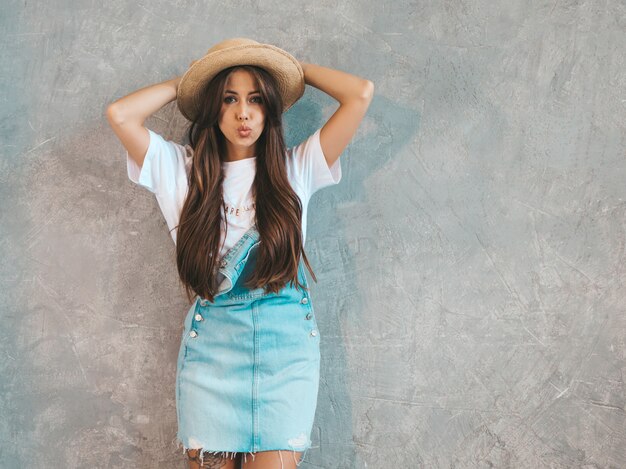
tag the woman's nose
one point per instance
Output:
(243, 112)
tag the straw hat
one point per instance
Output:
(240, 51)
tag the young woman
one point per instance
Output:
(235, 200)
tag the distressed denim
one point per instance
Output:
(248, 366)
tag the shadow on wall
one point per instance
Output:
(341, 232)
(384, 132)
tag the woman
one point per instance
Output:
(235, 200)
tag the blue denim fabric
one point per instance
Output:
(248, 367)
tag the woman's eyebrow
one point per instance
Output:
(234, 92)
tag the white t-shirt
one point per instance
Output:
(167, 165)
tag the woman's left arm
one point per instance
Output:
(354, 95)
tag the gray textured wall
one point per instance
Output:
(471, 263)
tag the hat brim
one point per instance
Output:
(282, 65)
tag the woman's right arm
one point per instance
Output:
(127, 115)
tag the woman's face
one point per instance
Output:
(241, 105)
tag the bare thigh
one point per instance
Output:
(279, 459)
(211, 460)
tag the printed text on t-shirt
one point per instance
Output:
(237, 211)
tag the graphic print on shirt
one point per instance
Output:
(241, 215)
(239, 205)
(239, 211)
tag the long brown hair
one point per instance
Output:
(278, 209)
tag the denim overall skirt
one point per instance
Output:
(248, 367)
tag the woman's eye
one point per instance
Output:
(260, 100)
(227, 98)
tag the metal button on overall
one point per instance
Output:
(193, 333)
(204, 302)
(198, 317)
(313, 332)
(304, 300)
(309, 316)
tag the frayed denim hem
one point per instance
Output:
(233, 454)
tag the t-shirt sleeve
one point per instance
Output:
(165, 173)
(309, 165)
(164, 167)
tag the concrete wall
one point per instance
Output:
(471, 263)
